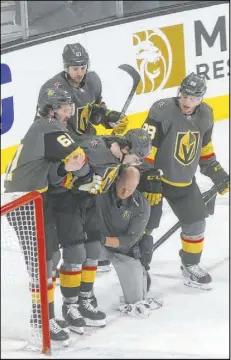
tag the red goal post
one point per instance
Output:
(22, 218)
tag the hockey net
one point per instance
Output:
(23, 273)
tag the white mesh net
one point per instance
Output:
(20, 320)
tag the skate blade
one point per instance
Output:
(193, 284)
(66, 329)
(60, 344)
(95, 323)
(78, 330)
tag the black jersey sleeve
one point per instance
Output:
(59, 146)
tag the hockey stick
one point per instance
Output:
(136, 79)
(208, 196)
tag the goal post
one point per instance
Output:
(23, 245)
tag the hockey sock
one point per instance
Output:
(70, 279)
(88, 277)
(192, 248)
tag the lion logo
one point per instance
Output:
(160, 58)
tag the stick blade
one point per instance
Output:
(132, 72)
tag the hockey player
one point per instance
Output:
(124, 215)
(45, 145)
(181, 131)
(79, 226)
(86, 91)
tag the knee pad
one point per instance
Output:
(75, 254)
(93, 250)
(194, 230)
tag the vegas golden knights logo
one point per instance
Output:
(186, 147)
(109, 177)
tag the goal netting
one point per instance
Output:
(24, 305)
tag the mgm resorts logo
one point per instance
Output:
(160, 58)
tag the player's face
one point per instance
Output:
(77, 72)
(126, 188)
(188, 103)
(64, 112)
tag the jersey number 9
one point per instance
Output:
(151, 130)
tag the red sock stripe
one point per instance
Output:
(91, 268)
(70, 272)
(207, 156)
(192, 241)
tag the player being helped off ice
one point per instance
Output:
(181, 130)
(46, 146)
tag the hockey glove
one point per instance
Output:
(151, 187)
(94, 186)
(218, 176)
(98, 113)
(146, 246)
(121, 126)
(112, 118)
(89, 183)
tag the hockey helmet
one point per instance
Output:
(75, 55)
(53, 97)
(193, 85)
(139, 142)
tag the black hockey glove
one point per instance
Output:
(98, 113)
(150, 185)
(146, 246)
(218, 176)
(112, 118)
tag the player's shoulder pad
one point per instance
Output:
(43, 125)
(92, 144)
(206, 107)
(56, 80)
(93, 78)
(206, 112)
(161, 107)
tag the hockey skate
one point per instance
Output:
(104, 266)
(72, 315)
(57, 333)
(89, 310)
(196, 277)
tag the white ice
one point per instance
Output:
(192, 323)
